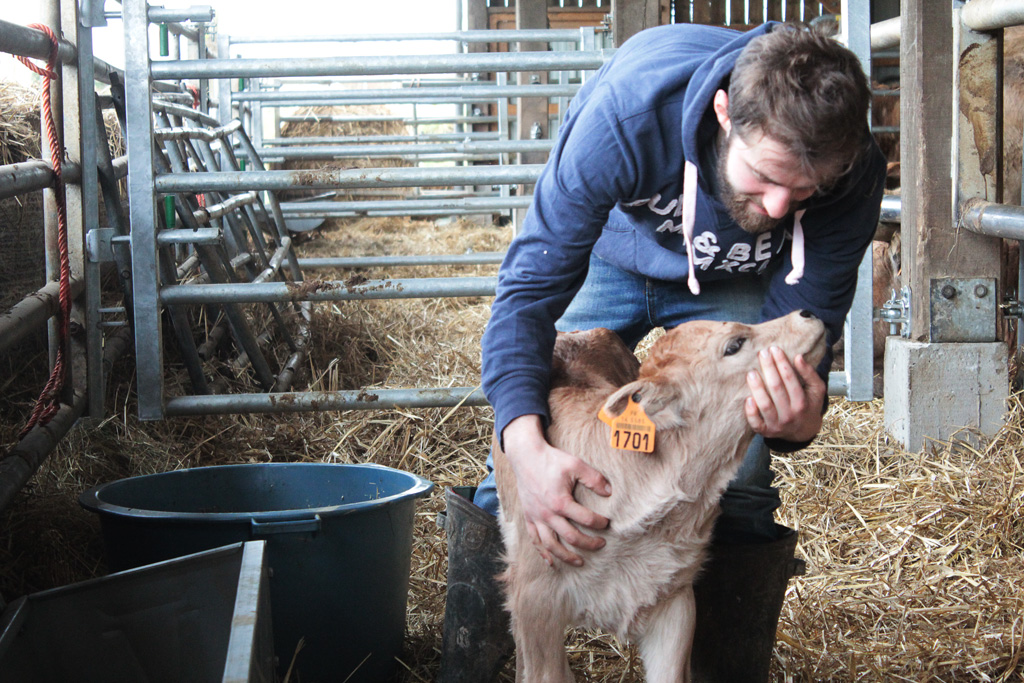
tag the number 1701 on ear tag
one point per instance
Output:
(632, 430)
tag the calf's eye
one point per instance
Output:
(734, 346)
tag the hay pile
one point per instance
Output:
(22, 269)
(323, 127)
(915, 563)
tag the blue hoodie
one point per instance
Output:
(614, 185)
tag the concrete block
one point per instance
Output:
(944, 391)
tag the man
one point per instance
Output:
(701, 174)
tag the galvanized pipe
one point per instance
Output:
(385, 119)
(994, 220)
(987, 15)
(326, 152)
(478, 36)
(28, 42)
(330, 179)
(166, 15)
(224, 207)
(172, 109)
(183, 31)
(375, 65)
(328, 290)
(31, 176)
(314, 209)
(885, 35)
(891, 209)
(200, 236)
(311, 401)
(463, 93)
(19, 463)
(360, 139)
(207, 134)
(978, 15)
(472, 259)
(33, 311)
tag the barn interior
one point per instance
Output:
(282, 249)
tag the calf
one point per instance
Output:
(663, 504)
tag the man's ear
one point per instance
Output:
(721, 107)
(662, 402)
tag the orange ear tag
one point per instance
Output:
(632, 430)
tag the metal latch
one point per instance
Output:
(896, 312)
(98, 245)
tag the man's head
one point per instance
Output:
(794, 117)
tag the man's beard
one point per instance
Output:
(739, 205)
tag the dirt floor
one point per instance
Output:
(915, 562)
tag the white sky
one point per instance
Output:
(291, 17)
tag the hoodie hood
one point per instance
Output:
(709, 77)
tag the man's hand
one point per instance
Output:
(786, 402)
(545, 478)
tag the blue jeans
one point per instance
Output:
(633, 305)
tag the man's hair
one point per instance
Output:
(803, 89)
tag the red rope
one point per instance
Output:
(49, 400)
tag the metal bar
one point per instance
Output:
(502, 36)
(310, 401)
(858, 348)
(375, 65)
(480, 258)
(470, 92)
(31, 176)
(480, 147)
(328, 290)
(330, 179)
(275, 207)
(892, 209)
(167, 15)
(200, 236)
(208, 134)
(33, 311)
(310, 209)
(142, 205)
(359, 139)
(19, 464)
(221, 208)
(92, 140)
(994, 220)
(183, 31)
(987, 15)
(28, 42)
(885, 35)
(384, 119)
(172, 109)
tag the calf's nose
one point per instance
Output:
(807, 314)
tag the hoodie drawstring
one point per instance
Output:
(689, 218)
(796, 254)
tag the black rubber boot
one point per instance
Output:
(739, 598)
(476, 641)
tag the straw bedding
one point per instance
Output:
(915, 562)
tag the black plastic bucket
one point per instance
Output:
(339, 546)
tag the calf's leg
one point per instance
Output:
(668, 637)
(538, 627)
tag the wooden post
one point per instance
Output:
(531, 112)
(629, 17)
(950, 373)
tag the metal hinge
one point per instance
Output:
(896, 312)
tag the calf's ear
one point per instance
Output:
(662, 402)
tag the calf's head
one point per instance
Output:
(698, 370)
